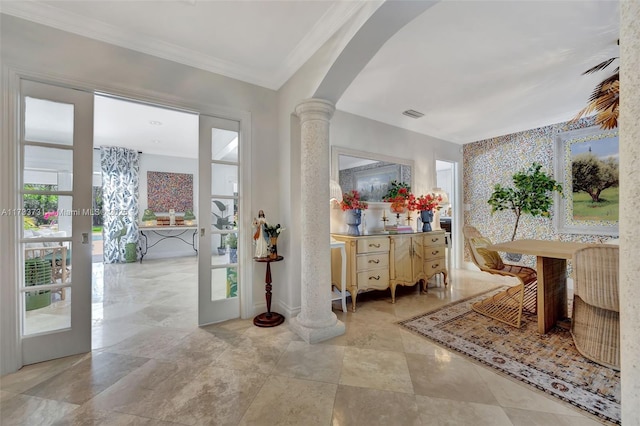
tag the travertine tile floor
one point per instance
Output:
(151, 365)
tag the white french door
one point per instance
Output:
(56, 151)
(220, 234)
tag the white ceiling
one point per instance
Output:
(476, 69)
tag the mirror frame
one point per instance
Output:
(336, 151)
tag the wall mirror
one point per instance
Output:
(368, 173)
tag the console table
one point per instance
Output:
(385, 261)
(165, 233)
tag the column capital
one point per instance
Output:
(315, 109)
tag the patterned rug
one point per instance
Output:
(549, 363)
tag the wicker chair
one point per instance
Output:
(506, 306)
(595, 323)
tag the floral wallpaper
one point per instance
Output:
(495, 160)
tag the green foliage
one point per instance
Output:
(232, 240)
(397, 188)
(40, 204)
(607, 209)
(29, 222)
(592, 175)
(531, 193)
(188, 215)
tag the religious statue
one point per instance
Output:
(259, 237)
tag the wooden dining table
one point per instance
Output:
(551, 268)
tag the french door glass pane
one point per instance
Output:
(48, 166)
(48, 121)
(224, 282)
(46, 214)
(224, 179)
(224, 145)
(47, 263)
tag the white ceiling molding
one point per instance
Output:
(326, 26)
(64, 20)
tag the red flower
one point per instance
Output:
(351, 201)
(428, 202)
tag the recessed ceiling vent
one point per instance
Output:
(413, 113)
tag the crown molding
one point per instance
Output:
(51, 16)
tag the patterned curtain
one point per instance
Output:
(120, 181)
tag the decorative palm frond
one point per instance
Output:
(605, 98)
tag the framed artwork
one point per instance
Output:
(372, 184)
(167, 191)
(587, 166)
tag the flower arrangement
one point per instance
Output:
(428, 202)
(272, 231)
(351, 201)
(51, 216)
(400, 197)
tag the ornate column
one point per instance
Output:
(316, 321)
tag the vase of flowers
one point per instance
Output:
(353, 206)
(272, 232)
(401, 199)
(426, 204)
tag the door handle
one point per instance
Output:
(85, 238)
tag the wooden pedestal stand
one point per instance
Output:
(268, 319)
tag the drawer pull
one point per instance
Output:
(434, 266)
(374, 245)
(435, 252)
(376, 261)
(435, 240)
(375, 278)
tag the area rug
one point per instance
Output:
(550, 363)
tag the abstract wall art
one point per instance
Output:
(169, 191)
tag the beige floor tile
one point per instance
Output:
(357, 406)
(31, 375)
(182, 393)
(148, 344)
(451, 412)
(536, 418)
(288, 401)
(510, 394)
(452, 378)
(322, 363)
(23, 410)
(87, 416)
(375, 369)
(86, 379)
(376, 373)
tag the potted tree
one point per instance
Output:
(532, 193)
(232, 242)
(222, 223)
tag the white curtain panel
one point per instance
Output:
(120, 182)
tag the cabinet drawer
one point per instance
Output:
(370, 245)
(434, 265)
(433, 252)
(434, 240)
(372, 261)
(375, 278)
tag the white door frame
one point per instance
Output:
(11, 347)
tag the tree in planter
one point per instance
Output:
(232, 242)
(222, 223)
(531, 193)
